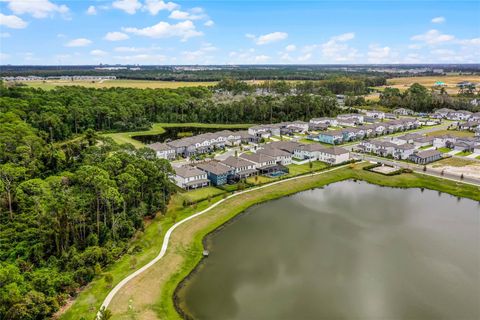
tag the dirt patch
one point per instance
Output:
(457, 166)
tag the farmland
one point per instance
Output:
(139, 84)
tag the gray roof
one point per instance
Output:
(237, 162)
(405, 146)
(427, 153)
(214, 167)
(159, 146)
(257, 157)
(284, 145)
(311, 147)
(335, 150)
(274, 152)
(188, 171)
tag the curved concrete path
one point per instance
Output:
(166, 238)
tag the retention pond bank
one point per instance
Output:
(351, 250)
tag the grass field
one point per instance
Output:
(464, 153)
(140, 84)
(454, 162)
(455, 133)
(149, 296)
(157, 128)
(450, 80)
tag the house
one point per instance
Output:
(428, 121)
(406, 138)
(477, 131)
(242, 168)
(475, 117)
(358, 118)
(350, 134)
(403, 151)
(259, 159)
(334, 155)
(332, 122)
(464, 144)
(281, 156)
(425, 157)
(347, 122)
(476, 148)
(217, 172)
(163, 150)
(297, 126)
(308, 151)
(444, 141)
(188, 177)
(264, 163)
(441, 113)
(469, 125)
(390, 116)
(458, 115)
(423, 141)
(264, 131)
(288, 146)
(403, 111)
(378, 147)
(317, 126)
(245, 137)
(330, 137)
(375, 114)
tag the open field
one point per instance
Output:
(451, 81)
(139, 84)
(455, 133)
(149, 296)
(157, 128)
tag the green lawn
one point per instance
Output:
(297, 169)
(425, 147)
(200, 194)
(464, 153)
(259, 180)
(157, 128)
(478, 158)
(444, 150)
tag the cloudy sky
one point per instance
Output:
(238, 32)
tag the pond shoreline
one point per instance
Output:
(204, 240)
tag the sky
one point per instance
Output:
(47, 32)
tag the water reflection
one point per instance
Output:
(348, 251)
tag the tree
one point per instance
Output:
(10, 175)
(103, 314)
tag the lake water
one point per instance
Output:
(349, 251)
(173, 133)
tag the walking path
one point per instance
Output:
(166, 238)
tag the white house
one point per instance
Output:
(375, 114)
(329, 121)
(259, 159)
(308, 151)
(281, 156)
(444, 141)
(402, 111)
(163, 150)
(334, 155)
(403, 151)
(188, 177)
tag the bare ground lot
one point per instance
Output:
(458, 166)
(451, 82)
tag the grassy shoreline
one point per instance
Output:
(158, 128)
(150, 295)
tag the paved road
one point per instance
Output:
(418, 169)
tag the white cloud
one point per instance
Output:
(470, 42)
(4, 57)
(184, 15)
(91, 10)
(116, 36)
(209, 23)
(262, 58)
(80, 42)
(305, 57)
(414, 46)
(201, 55)
(129, 6)
(154, 6)
(268, 38)
(290, 48)
(336, 49)
(129, 49)
(98, 53)
(433, 37)
(38, 8)
(4, 35)
(12, 21)
(438, 20)
(183, 30)
(377, 54)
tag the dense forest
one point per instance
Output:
(420, 99)
(67, 209)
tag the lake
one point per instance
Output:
(349, 251)
(173, 133)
